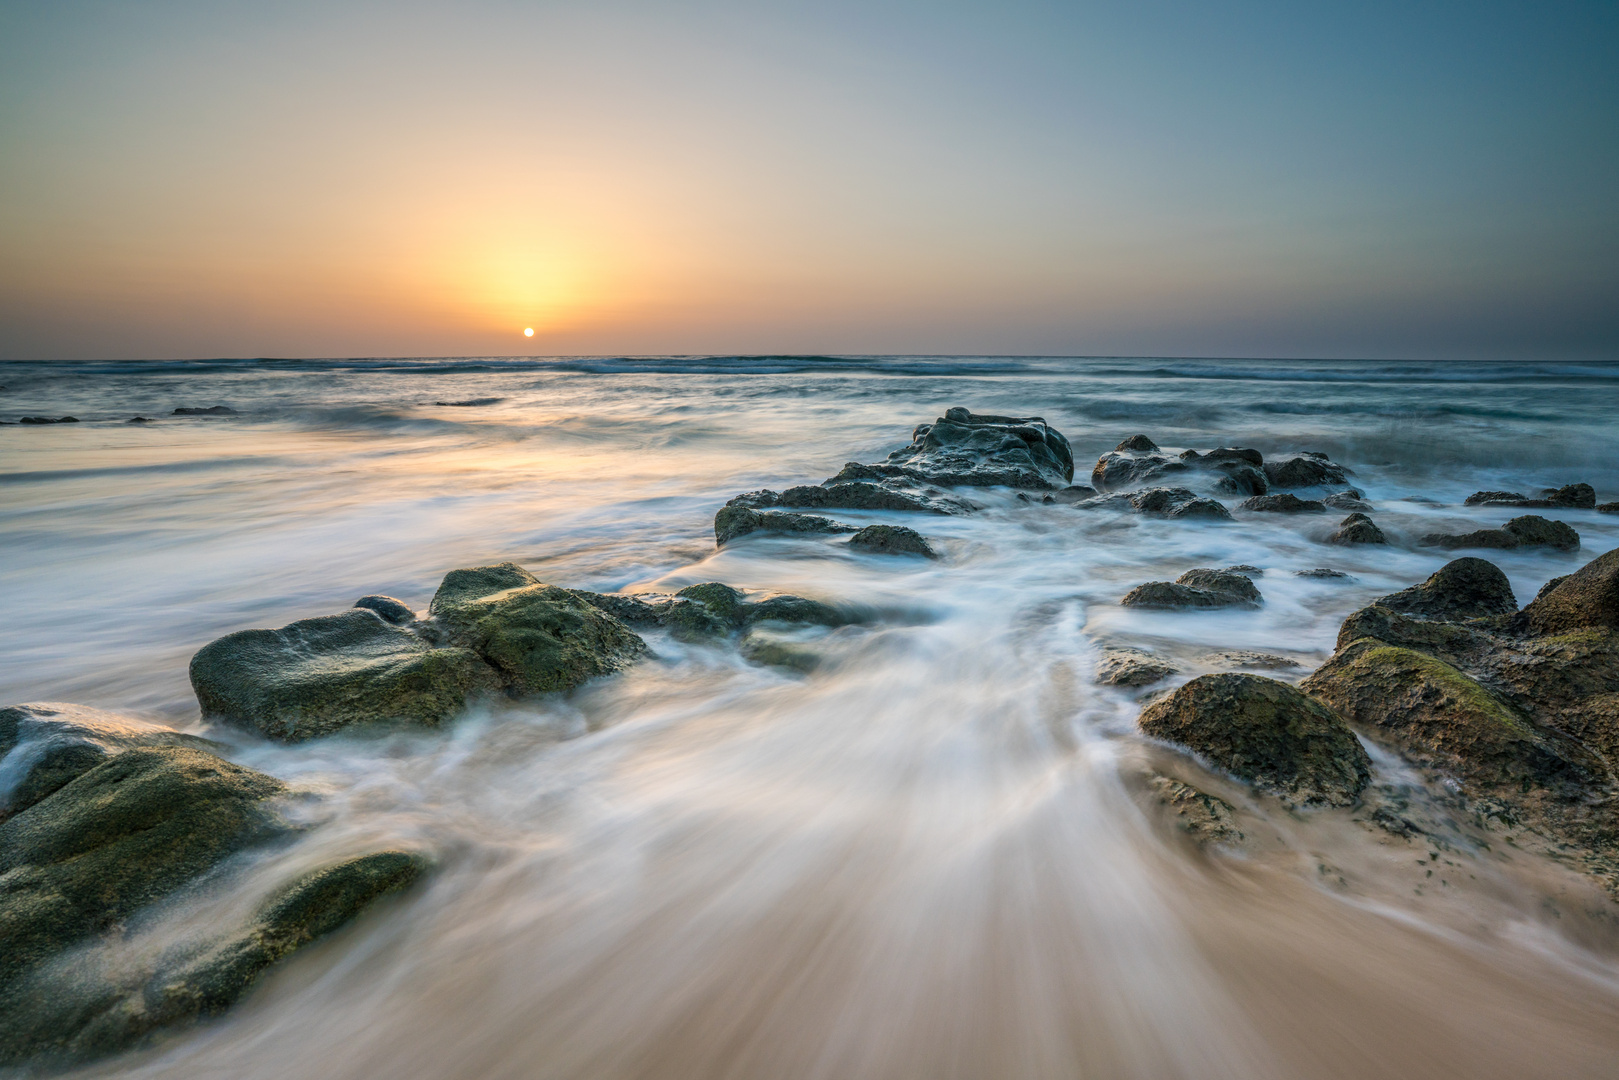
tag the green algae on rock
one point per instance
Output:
(1267, 733)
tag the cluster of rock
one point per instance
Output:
(1235, 470)
(106, 816)
(1530, 530)
(1196, 589)
(1569, 496)
(1518, 709)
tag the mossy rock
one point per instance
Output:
(1440, 717)
(1589, 597)
(1267, 733)
(316, 676)
(538, 637)
(118, 836)
(1466, 588)
(98, 1008)
(722, 601)
(736, 521)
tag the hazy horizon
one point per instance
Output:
(352, 179)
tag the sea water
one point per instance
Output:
(933, 857)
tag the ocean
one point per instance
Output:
(932, 857)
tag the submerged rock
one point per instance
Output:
(734, 521)
(840, 493)
(48, 420)
(1347, 500)
(211, 410)
(1243, 658)
(1206, 818)
(1241, 479)
(144, 823)
(892, 540)
(1324, 572)
(1357, 529)
(391, 610)
(1267, 733)
(1125, 468)
(1131, 667)
(1283, 504)
(1161, 502)
(1466, 588)
(1530, 530)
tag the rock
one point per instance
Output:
(724, 602)
(1221, 581)
(1207, 819)
(1306, 470)
(796, 609)
(1587, 598)
(45, 744)
(1137, 442)
(1283, 504)
(892, 540)
(471, 403)
(1174, 503)
(81, 1018)
(1569, 496)
(116, 837)
(391, 610)
(1465, 588)
(139, 420)
(772, 648)
(1265, 732)
(962, 448)
(1122, 468)
(1195, 589)
(1072, 494)
(48, 420)
(1244, 568)
(1357, 529)
(316, 676)
(1608, 508)
(1242, 658)
(1241, 479)
(1529, 530)
(1131, 667)
(1347, 500)
(212, 410)
(1243, 455)
(538, 637)
(836, 494)
(1324, 572)
(735, 521)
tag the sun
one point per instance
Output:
(528, 331)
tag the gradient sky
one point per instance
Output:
(1150, 178)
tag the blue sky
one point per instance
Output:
(1427, 180)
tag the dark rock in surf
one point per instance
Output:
(892, 540)
(1466, 588)
(391, 610)
(212, 410)
(1131, 668)
(1357, 529)
(1125, 468)
(1322, 572)
(1137, 443)
(1485, 498)
(1161, 502)
(1347, 500)
(139, 420)
(1569, 496)
(1305, 470)
(48, 420)
(1267, 733)
(1195, 589)
(736, 521)
(1530, 530)
(1241, 479)
(836, 494)
(1206, 818)
(1283, 504)
(963, 448)
(1608, 508)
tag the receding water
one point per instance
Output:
(933, 858)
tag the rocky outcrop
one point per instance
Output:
(1283, 504)
(1569, 496)
(892, 540)
(840, 493)
(1347, 500)
(1267, 733)
(1519, 709)
(1466, 588)
(1125, 667)
(150, 817)
(967, 449)
(735, 521)
(1357, 529)
(1196, 589)
(1531, 530)
(1305, 470)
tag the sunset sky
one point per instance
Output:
(1158, 178)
